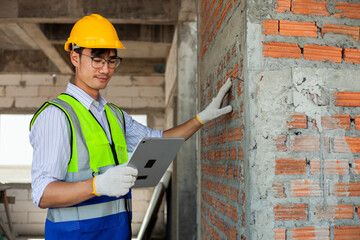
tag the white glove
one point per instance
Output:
(213, 110)
(115, 181)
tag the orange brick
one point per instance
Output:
(310, 7)
(357, 166)
(280, 144)
(278, 188)
(241, 154)
(298, 29)
(340, 211)
(358, 211)
(336, 122)
(305, 188)
(304, 143)
(235, 134)
(338, 167)
(346, 232)
(233, 73)
(357, 122)
(352, 55)
(352, 32)
(280, 234)
(327, 144)
(282, 50)
(290, 212)
(231, 212)
(347, 99)
(322, 53)
(271, 27)
(290, 166)
(347, 144)
(310, 233)
(283, 5)
(300, 121)
(342, 189)
(349, 10)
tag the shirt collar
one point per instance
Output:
(84, 98)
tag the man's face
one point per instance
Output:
(88, 78)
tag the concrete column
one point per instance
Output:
(184, 169)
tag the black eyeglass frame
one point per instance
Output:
(104, 60)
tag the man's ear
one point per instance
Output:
(75, 58)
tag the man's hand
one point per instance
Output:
(115, 182)
(213, 110)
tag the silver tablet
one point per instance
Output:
(152, 157)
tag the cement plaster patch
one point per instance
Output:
(271, 100)
(338, 79)
(314, 90)
(254, 46)
(308, 92)
(343, 79)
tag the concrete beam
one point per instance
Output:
(12, 36)
(69, 11)
(145, 50)
(40, 39)
(25, 60)
(134, 49)
(141, 66)
(58, 33)
(18, 61)
(187, 11)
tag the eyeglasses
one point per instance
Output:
(98, 62)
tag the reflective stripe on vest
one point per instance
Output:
(91, 153)
(88, 211)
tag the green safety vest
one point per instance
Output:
(91, 151)
(91, 154)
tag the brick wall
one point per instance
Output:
(309, 62)
(222, 161)
(321, 31)
(285, 164)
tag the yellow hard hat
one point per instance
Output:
(93, 31)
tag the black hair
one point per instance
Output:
(97, 51)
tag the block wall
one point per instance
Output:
(27, 92)
(29, 220)
(222, 161)
(302, 110)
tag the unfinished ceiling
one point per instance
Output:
(33, 33)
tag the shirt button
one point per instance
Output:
(96, 104)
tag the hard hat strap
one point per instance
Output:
(74, 46)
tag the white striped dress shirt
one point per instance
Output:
(50, 139)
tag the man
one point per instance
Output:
(80, 143)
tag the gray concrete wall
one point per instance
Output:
(184, 167)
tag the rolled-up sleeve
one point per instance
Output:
(50, 139)
(135, 131)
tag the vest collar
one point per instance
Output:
(85, 98)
